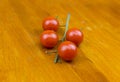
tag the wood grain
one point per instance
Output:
(22, 58)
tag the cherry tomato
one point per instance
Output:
(49, 38)
(50, 23)
(67, 50)
(74, 35)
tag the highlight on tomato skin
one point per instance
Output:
(67, 50)
(74, 35)
(49, 38)
(50, 23)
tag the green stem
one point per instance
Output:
(66, 28)
(49, 52)
(56, 58)
(56, 17)
(64, 36)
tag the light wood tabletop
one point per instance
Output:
(23, 59)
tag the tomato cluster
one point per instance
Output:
(67, 49)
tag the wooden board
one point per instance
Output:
(22, 58)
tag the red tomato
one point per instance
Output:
(49, 38)
(74, 35)
(50, 23)
(67, 50)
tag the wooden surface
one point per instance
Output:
(22, 58)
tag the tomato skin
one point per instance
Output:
(67, 50)
(49, 38)
(74, 35)
(50, 23)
